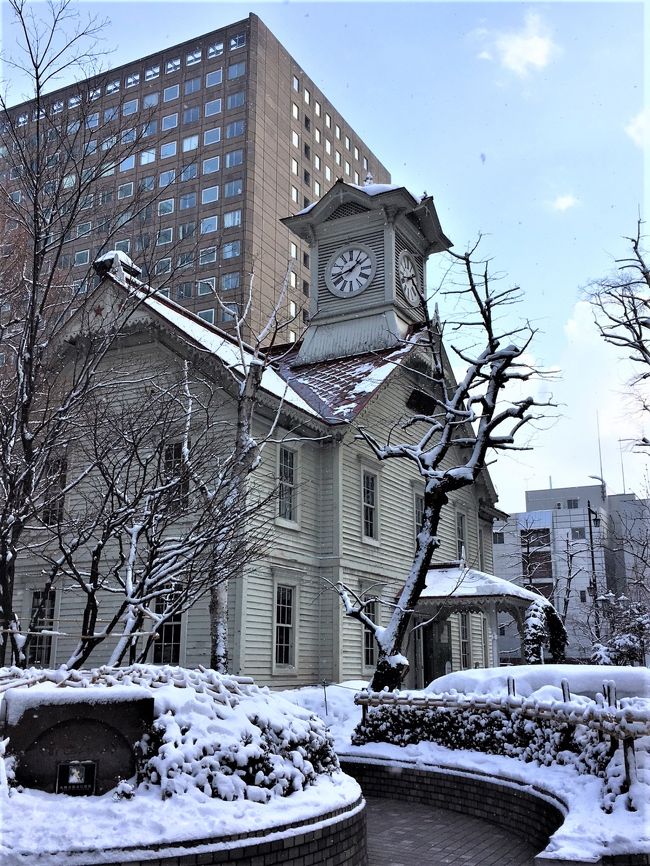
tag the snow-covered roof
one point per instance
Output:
(337, 389)
(369, 189)
(455, 580)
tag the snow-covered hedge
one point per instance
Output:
(494, 732)
(212, 735)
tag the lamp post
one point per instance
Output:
(593, 587)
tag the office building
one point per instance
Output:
(229, 135)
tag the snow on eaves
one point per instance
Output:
(370, 189)
(459, 581)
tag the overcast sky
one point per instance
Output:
(527, 123)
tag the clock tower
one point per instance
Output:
(368, 248)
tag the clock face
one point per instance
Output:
(350, 270)
(409, 280)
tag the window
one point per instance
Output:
(337, 157)
(347, 167)
(328, 173)
(147, 156)
(295, 139)
(212, 136)
(150, 128)
(152, 72)
(150, 100)
(169, 121)
(337, 131)
(163, 266)
(234, 158)
(577, 533)
(236, 70)
(237, 127)
(230, 281)
(207, 315)
(317, 135)
(305, 287)
(92, 121)
(190, 143)
(207, 255)
(83, 229)
(209, 224)
(307, 96)
(293, 250)
(294, 194)
(306, 176)
(307, 122)
(572, 503)
(369, 505)
(125, 190)
(170, 93)
(191, 115)
(232, 249)
(124, 246)
(189, 172)
(418, 505)
(81, 257)
(177, 476)
(130, 107)
(209, 194)
(205, 286)
(305, 259)
(287, 484)
(168, 149)
(186, 230)
(316, 188)
(213, 107)
(187, 201)
(184, 291)
(165, 236)
(294, 166)
(465, 647)
(186, 260)
(284, 625)
(211, 165)
(112, 86)
(56, 473)
(317, 162)
(369, 643)
(167, 648)
(235, 100)
(231, 219)
(192, 85)
(498, 538)
(295, 112)
(535, 537)
(233, 187)
(193, 57)
(166, 206)
(583, 596)
(212, 79)
(127, 164)
(215, 50)
(328, 146)
(461, 536)
(167, 177)
(172, 65)
(237, 41)
(295, 83)
(536, 564)
(41, 619)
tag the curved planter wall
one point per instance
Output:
(337, 838)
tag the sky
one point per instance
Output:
(527, 123)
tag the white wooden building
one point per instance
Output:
(342, 516)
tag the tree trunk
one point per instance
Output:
(392, 666)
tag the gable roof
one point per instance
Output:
(333, 391)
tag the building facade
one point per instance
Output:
(340, 516)
(221, 136)
(567, 545)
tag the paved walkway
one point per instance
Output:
(411, 834)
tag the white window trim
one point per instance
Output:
(284, 576)
(375, 541)
(282, 521)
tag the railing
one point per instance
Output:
(621, 722)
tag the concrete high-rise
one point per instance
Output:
(232, 136)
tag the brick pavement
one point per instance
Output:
(412, 834)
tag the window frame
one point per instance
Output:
(367, 474)
(289, 579)
(292, 485)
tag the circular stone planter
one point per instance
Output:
(336, 838)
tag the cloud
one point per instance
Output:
(519, 51)
(639, 128)
(564, 202)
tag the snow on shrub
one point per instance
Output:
(212, 735)
(494, 732)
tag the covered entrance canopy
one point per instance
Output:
(453, 587)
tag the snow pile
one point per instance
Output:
(213, 736)
(583, 680)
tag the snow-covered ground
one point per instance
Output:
(587, 832)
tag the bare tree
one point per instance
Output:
(450, 444)
(622, 308)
